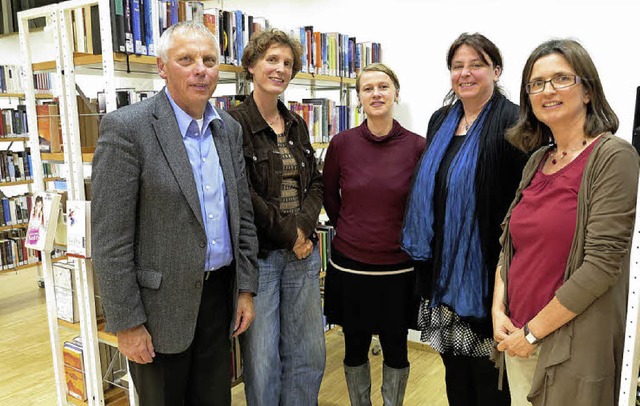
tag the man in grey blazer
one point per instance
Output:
(174, 243)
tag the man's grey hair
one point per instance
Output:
(187, 29)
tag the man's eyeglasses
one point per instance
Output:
(558, 82)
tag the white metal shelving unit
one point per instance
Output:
(59, 22)
(108, 66)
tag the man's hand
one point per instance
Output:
(245, 313)
(135, 344)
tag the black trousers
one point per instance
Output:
(201, 375)
(473, 381)
(393, 343)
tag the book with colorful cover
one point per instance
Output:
(43, 221)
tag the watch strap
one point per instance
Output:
(528, 335)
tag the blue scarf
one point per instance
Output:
(462, 280)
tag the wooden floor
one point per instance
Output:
(26, 373)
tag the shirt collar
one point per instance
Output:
(257, 123)
(184, 119)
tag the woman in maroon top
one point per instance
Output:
(370, 281)
(560, 292)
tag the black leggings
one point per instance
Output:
(473, 381)
(394, 348)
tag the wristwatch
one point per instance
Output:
(529, 335)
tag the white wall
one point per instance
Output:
(416, 35)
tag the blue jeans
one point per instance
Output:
(283, 350)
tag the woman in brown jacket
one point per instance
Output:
(561, 289)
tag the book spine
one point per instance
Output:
(136, 29)
(128, 29)
(148, 28)
(118, 25)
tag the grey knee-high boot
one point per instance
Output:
(359, 384)
(394, 383)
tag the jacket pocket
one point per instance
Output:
(148, 279)
(262, 174)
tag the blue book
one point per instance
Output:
(239, 35)
(325, 56)
(303, 42)
(29, 162)
(136, 31)
(6, 212)
(148, 28)
(174, 11)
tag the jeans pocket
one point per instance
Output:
(312, 264)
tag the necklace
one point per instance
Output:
(565, 153)
(272, 122)
(467, 124)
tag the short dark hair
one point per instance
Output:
(260, 43)
(529, 133)
(483, 46)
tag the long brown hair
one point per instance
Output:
(529, 133)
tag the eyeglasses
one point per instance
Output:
(558, 82)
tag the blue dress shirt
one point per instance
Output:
(207, 174)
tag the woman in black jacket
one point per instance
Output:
(462, 188)
(283, 351)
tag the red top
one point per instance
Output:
(542, 228)
(366, 183)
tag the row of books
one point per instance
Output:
(124, 97)
(326, 119)
(325, 235)
(13, 122)
(113, 367)
(15, 210)
(13, 251)
(74, 369)
(15, 166)
(334, 53)
(10, 8)
(10, 76)
(50, 129)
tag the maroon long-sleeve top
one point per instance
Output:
(367, 180)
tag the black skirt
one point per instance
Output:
(370, 303)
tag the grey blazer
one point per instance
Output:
(149, 242)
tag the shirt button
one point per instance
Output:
(255, 158)
(202, 245)
(290, 142)
(213, 242)
(210, 216)
(302, 164)
(207, 187)
(204, 159)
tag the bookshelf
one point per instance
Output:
(15, 180)
(102, 68)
